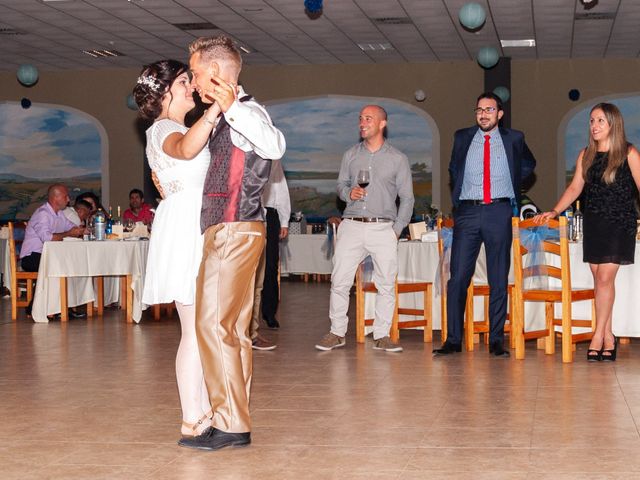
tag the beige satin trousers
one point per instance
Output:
(224, 302)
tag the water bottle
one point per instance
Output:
(577, 223)
(568, 213)
(100, 224)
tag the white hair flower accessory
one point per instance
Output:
(149, 81)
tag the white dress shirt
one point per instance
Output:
(276, 193)
(251, 129)
(72, 215)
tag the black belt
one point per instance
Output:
(369, 219)
(481, 202)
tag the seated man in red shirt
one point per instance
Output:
(138, 211)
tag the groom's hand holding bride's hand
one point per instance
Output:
(223, 93)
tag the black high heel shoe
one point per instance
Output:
(612, 353)
(594, 355)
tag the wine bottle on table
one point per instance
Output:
(108, 229)
(117, 220)
(577, 223)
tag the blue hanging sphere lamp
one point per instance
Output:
(503, 93)
(472, 15)
(131, 102)
(488, 57)
(27, 75)
(313, 6)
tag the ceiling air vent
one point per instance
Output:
(11, 31)
(103, 53)
(393, 21)
(595, 16)
(195, 26)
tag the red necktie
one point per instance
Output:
(486, 175)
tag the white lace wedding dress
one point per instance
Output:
(175, 250)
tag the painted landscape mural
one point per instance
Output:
(318, 132)
(45, 144)
(576, 134)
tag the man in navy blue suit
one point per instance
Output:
(488, 164)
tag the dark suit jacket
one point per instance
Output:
(520, 159)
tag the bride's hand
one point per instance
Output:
(212, 113)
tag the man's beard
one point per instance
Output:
(490, 126)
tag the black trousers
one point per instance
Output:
(270, 291)
(31, 263)
(474, 225)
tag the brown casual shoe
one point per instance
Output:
(386, 344)
(330, 341)
(260, 343)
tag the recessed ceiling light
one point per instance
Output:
(528, 42)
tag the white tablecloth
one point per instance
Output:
(305, 254)
(79, 261)
(5, 265)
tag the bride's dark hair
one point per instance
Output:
(153, 84)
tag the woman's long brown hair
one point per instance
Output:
(618, 146)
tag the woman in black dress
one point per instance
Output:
(608, 172)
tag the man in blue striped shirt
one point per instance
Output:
(488, 164)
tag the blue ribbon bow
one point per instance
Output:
(443, 270)
(533, 239)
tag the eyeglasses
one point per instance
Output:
(479, 110)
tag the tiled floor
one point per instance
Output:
(97, 399)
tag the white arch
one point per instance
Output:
(104, 141)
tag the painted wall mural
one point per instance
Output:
(576, 135)
(46, 144)
(319, 130)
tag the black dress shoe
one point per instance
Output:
(272, 323)
(498, 350)
(214, 439)
(447, 348)
(76, 314)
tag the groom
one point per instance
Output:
(242, 146)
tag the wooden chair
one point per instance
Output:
(168, 310)
(472, 328)
(18, 278)
(563, 294)
(363, 287)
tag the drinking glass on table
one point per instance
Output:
(363, 180)
(90, 227)
(128, 225)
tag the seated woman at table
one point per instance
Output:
(608, 172)
(79, 212)
(179, 161)
(92, 199)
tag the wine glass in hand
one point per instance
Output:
(363, 182)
